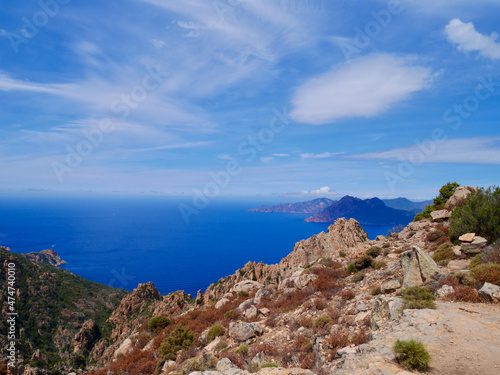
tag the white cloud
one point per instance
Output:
(267, 159)
(281, 155)
(478, 150)
(324, 155)
(224, 157)
(157, 43)
(366, 87)
(467, 39)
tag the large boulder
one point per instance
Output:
(125, 348)
(474, 247)
(385, 309)
(418, 267)
(459, 196)
(468, 237)
(244, 331)
(491, 292)
(246, 286)
(440, 215)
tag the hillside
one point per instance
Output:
(308, 207)
(366, 212)
(53, 305)
(406, 204)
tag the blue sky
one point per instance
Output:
(259, 97)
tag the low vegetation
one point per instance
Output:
(180, 339)
(417, 298)
(412, 355)
(158, 323)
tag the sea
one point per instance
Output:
(124, 241)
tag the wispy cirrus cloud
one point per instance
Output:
(323, 155)
(367, 87)
(479, 150)
(467, 39)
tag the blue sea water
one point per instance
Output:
(123, 241)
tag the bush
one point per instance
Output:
(180, 339)
(158, 322)
(351, 268)
(347, 295)
(231, 315)
(376, 291)
(323, 321)
(445, 193)
(417, 298)
(435, 235)
(363, 262)
(487, 273)
(412, 355)
(342, 254)
(221, 346)
(358, 277)
(243, 293)
(243, 349)
(377, 264)
(479, 214)
(444, 252)
(215, 331)
(373, 251)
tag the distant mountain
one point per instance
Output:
(309, 207)
(366, 212)
(406, 204)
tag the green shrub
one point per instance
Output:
(445, 193)
(376, 291)
(363, 262)
(351, 268)
(412, 355)
(180, 339)
(221, 345)
(215, 331)
(243, 293)
(358, 277)
(323, 321)
(264, 365)
(158, 322)
(342, 254)
(444, 252)
(479, 214)
(377, 264)
(373, 251)
(243, 349)
(417, 298)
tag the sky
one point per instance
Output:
(269, 98)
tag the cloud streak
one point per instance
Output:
(367, 87)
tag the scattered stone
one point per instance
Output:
(476, 246)
(457, 250)
(346, 351)
(246, 286)
(167, 364)
(459, 196)
(418, 267)
(440, 215)
(261, 293)
(244, 331)
(386, 309)
(490, 291)
(390, 286)
(468, 237)
(445, 290)
(264, 311)
(221, 303)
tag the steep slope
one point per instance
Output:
(366, 212)
(53, 304)
(308, 207)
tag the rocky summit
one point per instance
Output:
(337, 304)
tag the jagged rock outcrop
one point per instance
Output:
(86, 337)
(133, 302)
(418, 267)
(48, 256)
(459, 196)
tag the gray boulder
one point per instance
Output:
(390, 286)
(385, 309)
(474, 247)
(440, 215)
(418, 267)
(244, 331)
(491, 292)
(459, 196)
